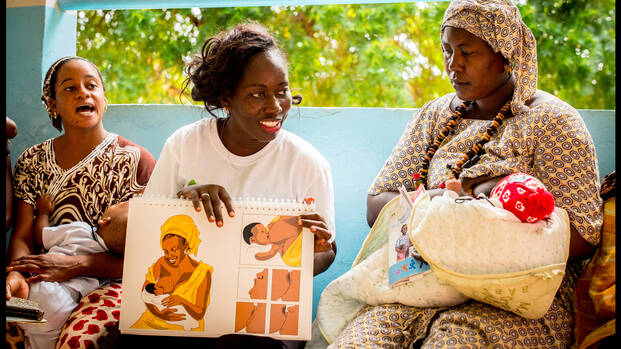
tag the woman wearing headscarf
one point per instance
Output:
(496, 123)
(178, 278)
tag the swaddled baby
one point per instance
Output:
(155, 293)
(521, 194)
(508, 250)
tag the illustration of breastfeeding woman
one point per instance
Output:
(283, 234)
(176, 287)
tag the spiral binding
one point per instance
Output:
(247, 204)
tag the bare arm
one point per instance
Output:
(579, 248)
(44, 208)
(267, 255)
(22, 244)
(323, 260)
(22, 240)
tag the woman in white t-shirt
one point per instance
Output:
(246, 154)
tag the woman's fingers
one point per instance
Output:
(212, 197)
(39, 277)
(227, 201)
(319, 228)
(24, 267)
(190, 193)
(206, 199)
(216, 203)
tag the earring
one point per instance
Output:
(508, 69)
(296, 100)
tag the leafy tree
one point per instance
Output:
(374, 55)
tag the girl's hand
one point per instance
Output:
(46, 267)
(16, 285)
(319, 228)
(213, 197)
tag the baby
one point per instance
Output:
(155, 293)
(521, 194)
(282, 233)
(58, 299)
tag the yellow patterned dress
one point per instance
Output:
(549, 141)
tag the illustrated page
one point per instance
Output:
(184, 276)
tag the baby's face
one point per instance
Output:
(159, 290)
(260, 235)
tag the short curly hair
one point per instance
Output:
(215, 72)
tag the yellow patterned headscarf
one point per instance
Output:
(499, 23)
(183, 226)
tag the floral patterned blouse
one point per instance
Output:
(111, 173)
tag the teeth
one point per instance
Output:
(270, 123)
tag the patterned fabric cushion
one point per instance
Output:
(95, 314)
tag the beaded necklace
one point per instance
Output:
(474, 153)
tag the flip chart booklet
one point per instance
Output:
(184, 276)
(403, 264)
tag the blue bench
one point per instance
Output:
(356, 142)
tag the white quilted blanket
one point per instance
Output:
(475, 250)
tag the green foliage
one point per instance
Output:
(372, 55)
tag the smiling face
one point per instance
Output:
(474, 69)
(259, 104)
(174, 250)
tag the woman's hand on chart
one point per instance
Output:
(212, 197)
(46, 267)
(319, 228)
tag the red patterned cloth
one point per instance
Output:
(95, 314)
(524, 196)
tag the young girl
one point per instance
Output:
(86, 169)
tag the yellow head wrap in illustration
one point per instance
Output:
(499, 23)
(183, 226)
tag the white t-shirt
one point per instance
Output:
(288, 167)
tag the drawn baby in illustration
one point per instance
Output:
(176, 287)
(283, 233)
(250, 316)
